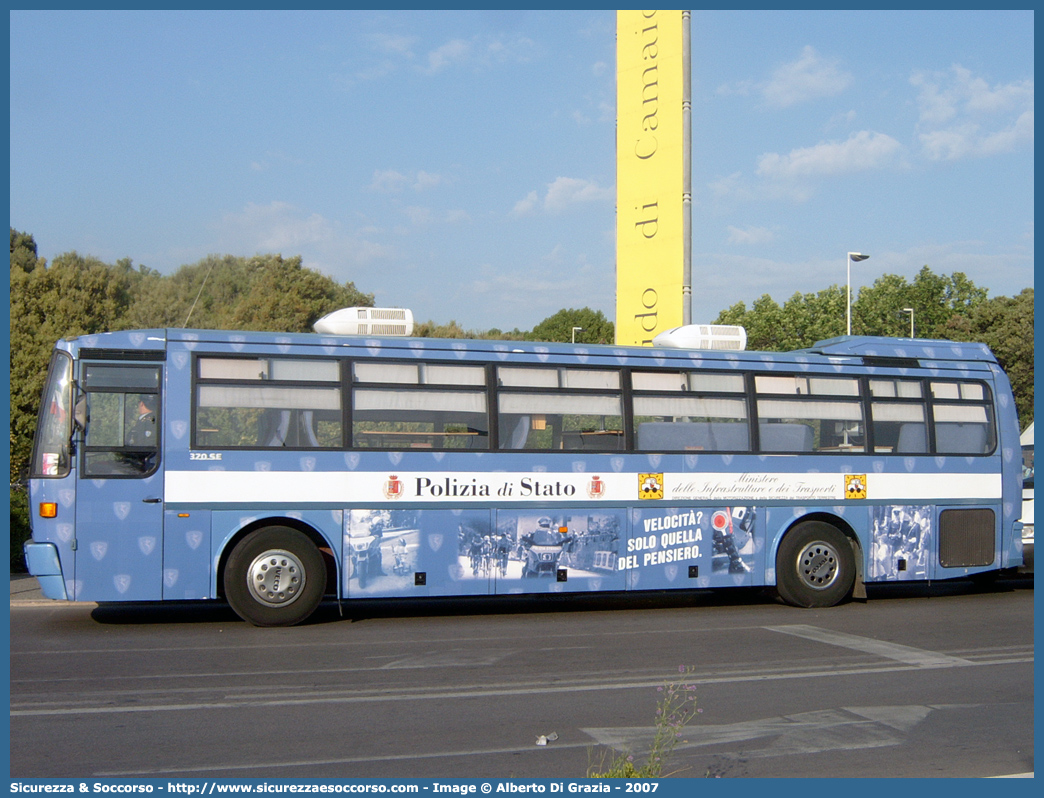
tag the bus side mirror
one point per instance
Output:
(80, 414)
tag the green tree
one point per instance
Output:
(284, 296)
(23, 251)
(74, 295)
(595, 328)
(763, 323)
(807, 318)
(79, 295)
(944, 307)
(265, 292)
(935, 299)
(430, 329)
(1005, 325)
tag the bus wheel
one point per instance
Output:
(815, 566)
(275, 577)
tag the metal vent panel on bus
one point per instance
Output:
(967, 538)
(147, 355)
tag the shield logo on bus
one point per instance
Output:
(393, 488)
(596, 488)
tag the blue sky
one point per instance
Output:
(462, 163)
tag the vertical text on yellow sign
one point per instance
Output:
(649, 180)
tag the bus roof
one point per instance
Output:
(871, 350)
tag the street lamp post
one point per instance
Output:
(575, 331)
(852, 256)
(911, 312)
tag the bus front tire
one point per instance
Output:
(815, 566)
(275, 577)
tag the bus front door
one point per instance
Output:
(119, 502)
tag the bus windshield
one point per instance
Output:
(54, 428)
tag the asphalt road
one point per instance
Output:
(915, 682)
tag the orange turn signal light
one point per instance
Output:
(48, 510)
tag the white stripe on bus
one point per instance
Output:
(350, 487)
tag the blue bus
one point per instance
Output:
(272, 470)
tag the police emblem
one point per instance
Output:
(596, 488)
(393, 487)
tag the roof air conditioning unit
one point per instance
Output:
(704, 336)
(366, 321)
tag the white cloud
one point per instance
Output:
(452, 52)
(391, 181)
(567, 191)
(275, 227)
(527, 205)
(388, 181)
(750, 236)
(426, 180)
(807, 78)
(286, 229)
(962, 116)
(735, 188)
(393, 44)
(562, 194)
(457, 216)
(418, 215)
(536, 289)
(862, 151)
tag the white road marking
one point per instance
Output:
(911, 656)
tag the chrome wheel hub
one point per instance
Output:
(276, 578)
(818, 565)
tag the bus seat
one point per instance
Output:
(308, 428)
(514, 433)
(954, 438)
(478, 440)
(672, 436)
(274, 426)
(730, 436)
(786, 438)
(913, 439)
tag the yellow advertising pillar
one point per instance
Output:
(652, 174)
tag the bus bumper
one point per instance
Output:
(42, 561)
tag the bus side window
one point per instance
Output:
(913, 439)
(561, 409)
(810, 413)
(123, 433)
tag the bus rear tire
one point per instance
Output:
(275, 577)
(815, 566)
